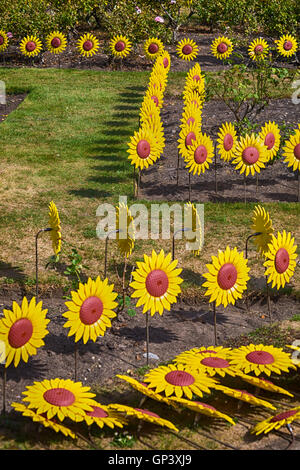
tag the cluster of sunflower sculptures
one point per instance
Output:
(121, 46)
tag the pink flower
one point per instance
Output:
(138, 10)
(159, 19)
(9, 35)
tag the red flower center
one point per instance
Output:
(217, 362)
(155, 99)
(297, 151)
(196, 78)
(91, 310)
(269, 140)
(222, 48)
(143, 148)
(282, 260)
(195, 103)
(250, 155)
(59, 397)
(187, 49)
(30, 46)
(283, 415)
(189, 138)
(147, 412)
(227, 276)
(157, 283)
(260, 357)
(166, 62)
(200, 154)
(88, 45)
(179, 378)
(259, 49)
(287, 46)
(1, 40)
(20, 332)
(228, 142)
(97, 412)
(207, 351)
(120, 46)
(153, 48)
(56, 42)
(190, 120)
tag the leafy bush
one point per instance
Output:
(273, 17)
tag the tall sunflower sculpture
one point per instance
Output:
(262, 224)
(291, 154)
(187, 49)
(226, 279)
(31, 46)
(90, 311)
(88, 45)
(199, 156)
(156, 285)
(227, 141)
(55, 225)
(195, 235)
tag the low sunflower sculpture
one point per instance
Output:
(275, 422)
(31, 46)
(200, 154)
(144, 148)
(291, 150)
(55, 225)
(250, 155)
(143, 415)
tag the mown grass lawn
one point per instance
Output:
(67, 142)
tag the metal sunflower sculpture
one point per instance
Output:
(187, 49)
(142, 414)
(22, 331)
(227, 141)
(91, 309)
(258, 49)
(60, 398)
(144, 148)
(287, 45)
(55, 225)
(262, 223)
(250, 155)
(280, 259)
(245, 396)
(56, 42)
(3, 40)
(125, 230)
(102, 416)
(200, 154)
(120, 46)
(153, 47)
(275, 422)
(41, 419)
(222, 48)
(291, 151)
(88, 45)
(270, 136)
(261, 359)
(31, 46)
(195, 235)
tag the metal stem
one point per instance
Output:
(173, 240)
(106, 249)
(215, 322)
(147, 338)
(4, 390)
